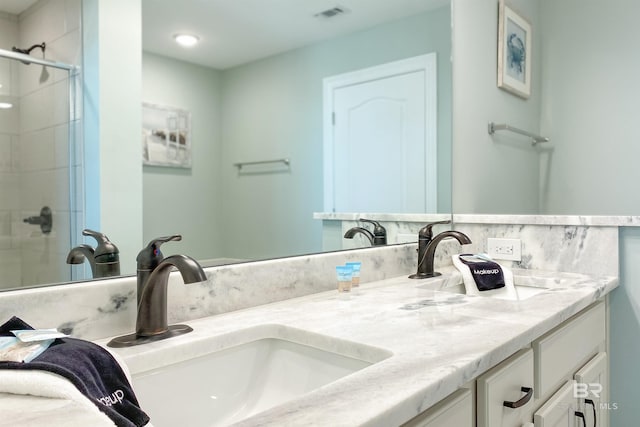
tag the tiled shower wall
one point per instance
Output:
(40, 144)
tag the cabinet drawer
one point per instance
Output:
(510, 381)
(559, 353)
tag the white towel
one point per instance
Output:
(36, 398)
(508, 291)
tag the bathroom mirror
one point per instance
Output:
(226, 214)
(254, 88)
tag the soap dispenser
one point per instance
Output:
(104, 259)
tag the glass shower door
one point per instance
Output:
(40, 172)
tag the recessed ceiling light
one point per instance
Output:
(186, 40)
(5, 105)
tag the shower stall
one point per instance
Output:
(41, 174)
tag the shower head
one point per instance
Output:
(28, 51)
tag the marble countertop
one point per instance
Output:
(439, 340)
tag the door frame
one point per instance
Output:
(426, 63)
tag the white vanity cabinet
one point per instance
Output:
(454, 410)
(505, 392)
(561, 380)
(573, 358)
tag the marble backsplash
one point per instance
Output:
(104, 308)
(581, 244)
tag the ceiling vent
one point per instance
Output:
(332, 13)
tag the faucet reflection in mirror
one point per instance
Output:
(153, 275)
(104, 259)
(377, 238)
(427, 245)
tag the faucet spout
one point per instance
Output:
(104, 259)
(152, 308)
(78, 254)
(377, 238)
(350, 234)
(425, 261)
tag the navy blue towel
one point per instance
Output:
(487, 275)
(90, 368)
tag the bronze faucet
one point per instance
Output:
(427, 248)
(153, 276)
(104, 259)
(377, 238)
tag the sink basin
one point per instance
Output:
(271, 365)
(529, 283)
(523, 292)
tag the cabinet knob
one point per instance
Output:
(523, 401)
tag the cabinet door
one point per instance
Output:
(559, 410)
(505, 392)
(559, 353)
(592, 391)
(455, 410)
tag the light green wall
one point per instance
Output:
(186, 201)
(273, 108)
(590, 104)
(498, 174)
(112, 121)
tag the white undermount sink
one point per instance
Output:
(260, 368)
(523, 292)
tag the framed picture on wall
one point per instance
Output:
(514, 52)
(166, 136)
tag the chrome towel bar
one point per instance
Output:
(493, 127)
(239, 165)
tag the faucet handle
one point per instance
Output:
(426, 232)
(150, 257)
(105, 251)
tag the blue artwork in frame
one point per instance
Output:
(514, 52)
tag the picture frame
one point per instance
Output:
(166, 136)
(514, 52)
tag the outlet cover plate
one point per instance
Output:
(505, 249)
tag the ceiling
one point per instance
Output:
(15, 7)
(234, 32)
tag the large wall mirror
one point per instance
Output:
(583, 98)
(253, 89)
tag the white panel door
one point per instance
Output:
(380, 142)
(559, 410)
(594, 384)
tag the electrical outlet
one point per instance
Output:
(506, 249)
